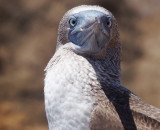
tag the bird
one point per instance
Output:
(82, 88)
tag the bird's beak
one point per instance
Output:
(91, 36)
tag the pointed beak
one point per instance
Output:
(98, 25)
(91, 33)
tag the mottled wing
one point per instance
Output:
(146, 117)
(104, 117)
(135, 116)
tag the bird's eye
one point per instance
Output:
(73, 22)
(109, 23)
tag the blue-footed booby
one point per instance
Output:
(82, 84)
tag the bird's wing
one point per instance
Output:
(135, 116)
(104, 117)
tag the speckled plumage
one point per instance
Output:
(83, 92)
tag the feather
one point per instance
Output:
(82, 83)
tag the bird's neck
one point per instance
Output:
(108, 68)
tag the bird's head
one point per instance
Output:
(89, 30)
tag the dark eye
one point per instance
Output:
(73, 22)
(109, 23)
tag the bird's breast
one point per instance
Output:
(68, 91)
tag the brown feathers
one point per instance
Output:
(96, 79)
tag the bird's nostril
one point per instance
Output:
(97, 19)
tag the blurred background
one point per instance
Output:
(28, 31)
